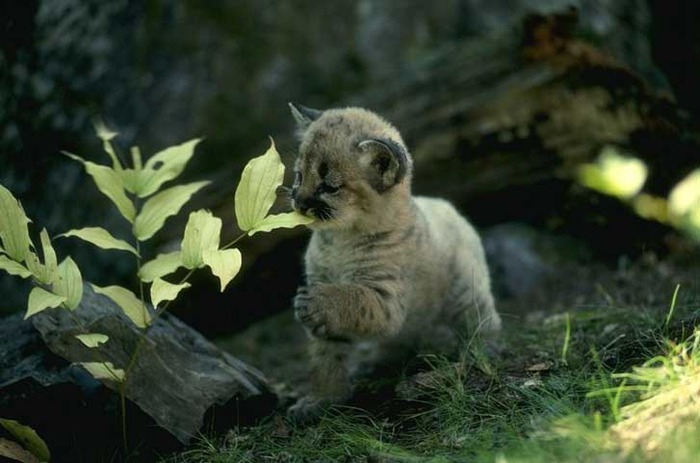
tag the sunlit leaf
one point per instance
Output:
(14, 233)
(16, 452)
(132, 178)
(161, 206)
(651, 207)
(164, 166)
(257, 189)
(614, 174)
(110, 183)
(163, 264)
(285, 220)
(28, 438)
(103, 132)
(686, 194)
(201, 234)
(40, 299)
(106, 370)
(50, 259)
(100, 238)
(161, 291)
(69, 283)
(129, 303)
(14, 268)
(224, 264)
(106, 135)
(37, 268)
(93, 339)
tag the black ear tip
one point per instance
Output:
(304, 114)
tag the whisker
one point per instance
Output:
(284, 191)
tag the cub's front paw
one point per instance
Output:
(307, 409)
(315, 310)
(301, 300)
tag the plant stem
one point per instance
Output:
(138, 272)
(122, 399)
(235, 240)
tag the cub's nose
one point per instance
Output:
(301, 204)
(308, 204)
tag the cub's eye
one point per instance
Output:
(330, 189)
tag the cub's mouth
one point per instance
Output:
(313, 207)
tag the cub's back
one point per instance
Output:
(449, 262)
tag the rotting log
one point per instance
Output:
(500, 125)
(180, 384)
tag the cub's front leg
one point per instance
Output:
(334, 315)
(344, 312)
(330, 382)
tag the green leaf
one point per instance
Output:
(614, 174)
(29, 439)
(257, 189)
(161, 291)
(40, 299)
(93, 339)
(37, 268)
(164, 166)
(129, 303)
(132, 177)
(224, 264)
(100, 238)
(106, 136)
(286, 220)
(104, 370)
(201, 234)
(14, 232)
(685, 196)
(50, 260)
(14, 268)
(69, 283)
(110, 183)
(161, 206)
(163, 264)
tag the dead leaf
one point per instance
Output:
(15, 451)
(542, 366)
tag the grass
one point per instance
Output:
(592, 385)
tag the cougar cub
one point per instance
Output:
(382, 265)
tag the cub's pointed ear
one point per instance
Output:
(303, 115)
(388, 162)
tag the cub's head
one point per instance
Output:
(352, 167)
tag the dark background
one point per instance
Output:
(163, 71)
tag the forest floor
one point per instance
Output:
(597, 364)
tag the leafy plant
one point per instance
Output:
(623, 176)
(28, 448)
(142, 196)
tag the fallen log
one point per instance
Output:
(180, 384)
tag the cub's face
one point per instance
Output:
(349, 160)
(330, 188)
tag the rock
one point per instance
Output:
(180, 383)
(520, 257)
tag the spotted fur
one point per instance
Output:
(382, 265)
